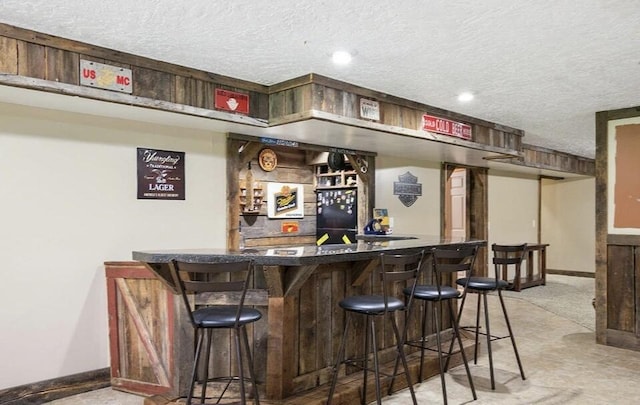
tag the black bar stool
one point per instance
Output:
(393, 269)
(445, 261)
(202, 278)
(503, 257)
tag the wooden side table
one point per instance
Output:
(531, 278)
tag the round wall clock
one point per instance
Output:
(267, 159)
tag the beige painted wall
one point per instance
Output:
(69, 204)
(423, 217)
(568, 223)
(510, 219)
(513, 208)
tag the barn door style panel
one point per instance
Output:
(141, 330)
(623, 301)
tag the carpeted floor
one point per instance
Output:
(566, 296)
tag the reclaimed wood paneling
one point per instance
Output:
(56, 59)
(308, 326)
(617, 256)
(9, 52)
(32, 60)
(543, 158)
(321, 322)
(621, 290)
(123, 57)
(601, 226)
(331, 97)
(295, 167)
(193, 92)
(281, 368)
(623, 240)
(141, 330)
(289, 101)
(50, 390)
(36, 55)
(153, 84)
(62, 66)
(152, 341)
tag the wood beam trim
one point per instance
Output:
(391, 129)
(120, 98)
(298, 145)
(296, 276)
(255, 297)
(362, 270)
(274, 278)
(281, 366)
(363, 175)
(383, 97)
(249, 152)
(50, 390)
(125, 58)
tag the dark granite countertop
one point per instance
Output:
(368, 246)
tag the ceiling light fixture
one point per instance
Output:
(341, 57)
(465, 97)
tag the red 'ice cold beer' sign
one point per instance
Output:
(447, 127)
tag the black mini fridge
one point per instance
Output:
(336, 216)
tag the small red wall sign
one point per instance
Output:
(232, 101)
(445, 126)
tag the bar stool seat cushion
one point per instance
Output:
(371, 304)
(430, 292)
(482, 283)
(224, 317)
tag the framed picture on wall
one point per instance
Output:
(160, 174)
(285, 200)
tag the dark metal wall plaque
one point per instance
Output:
(407, 189)
(160, 174)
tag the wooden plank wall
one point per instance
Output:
(37, 55)
(320, 322)
(258, 229)
(617, 256)
(543, 158)
(295, 99)
(295, 165)
(31, 54)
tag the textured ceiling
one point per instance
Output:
(542, 66)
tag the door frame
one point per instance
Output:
(477, 207)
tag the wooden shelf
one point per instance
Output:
(325, 178)
(334, 187)
(257, 197)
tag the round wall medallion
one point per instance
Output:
(268, 159)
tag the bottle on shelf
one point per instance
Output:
(240, 237)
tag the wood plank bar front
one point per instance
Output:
(299, 334)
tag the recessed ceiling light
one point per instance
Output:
(465, 97)
(341, 57)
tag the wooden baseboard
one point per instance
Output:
(49, 390)
(572, 273)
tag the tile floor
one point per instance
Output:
(562, 363)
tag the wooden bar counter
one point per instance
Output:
(298, 291)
